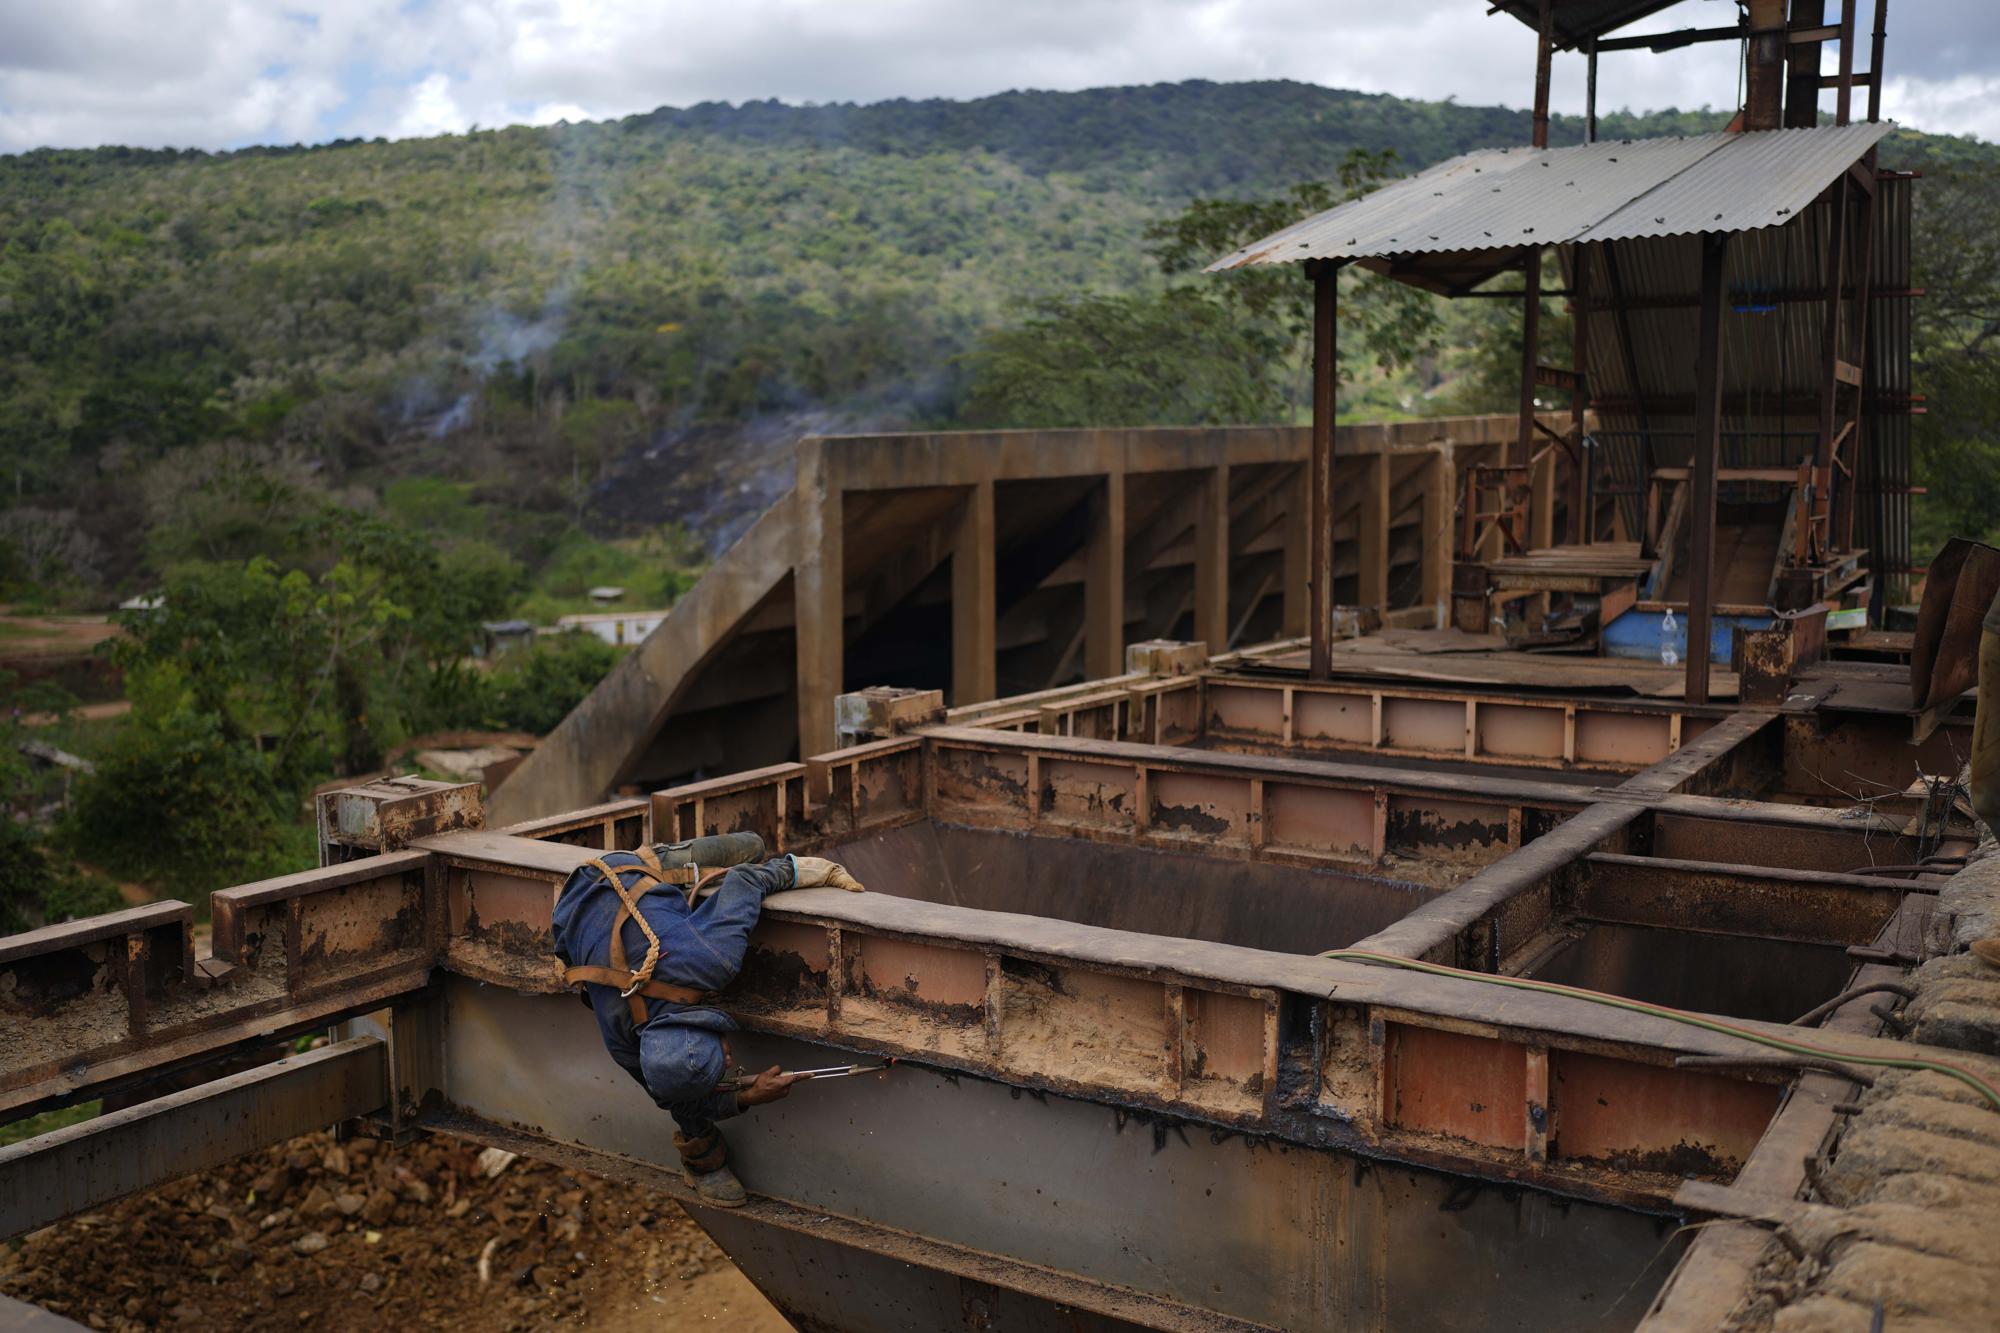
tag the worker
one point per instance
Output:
(685, 912)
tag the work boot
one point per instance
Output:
(719, 1187)
(705, 1167)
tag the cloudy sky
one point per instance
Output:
(224, 73)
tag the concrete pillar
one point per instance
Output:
(1211, 560)
(1440, 479)
(819, 588)
(974, 645)
(1298, 555)
(1104, 582)
(1371, 528)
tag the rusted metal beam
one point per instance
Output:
(1768, 902)
(1844, 82)
(1875, 60)
(840, 1294)
(1802, 61)
(869, 1241)
(1707, 459)
(74, 1169)
(1764, 63)
(1671, 41)
(1246, 714)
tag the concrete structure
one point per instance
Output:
(991, 563)
(1110, 897)
(1259, 949)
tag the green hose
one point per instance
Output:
(1971, 1080)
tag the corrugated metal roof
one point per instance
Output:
(1506, 198)
(1578, 19)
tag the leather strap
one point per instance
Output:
(634, 983)
(618, 979)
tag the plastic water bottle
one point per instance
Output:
(1669, 655)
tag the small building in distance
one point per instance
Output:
(497, 637)
(617, 628)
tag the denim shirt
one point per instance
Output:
(676, 1055)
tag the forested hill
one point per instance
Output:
(521, 313)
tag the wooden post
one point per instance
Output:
(1707, 459)
(1864, 298)
(1544, 49)
(1590, 92)
(1628, 353)
(1581, 521)
(819, 588)
(1211, 560)
(973, 613)
(1440, 481)
(1875, 60)
(1830, 346)
(1325, 373)
(1104, 582)
(1531, 332)
(1542, 500)
(1298, 554)
(1843, 96)
(1371, 532)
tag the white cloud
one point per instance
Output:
(228, 72)
(1969, 103)
(430, 109)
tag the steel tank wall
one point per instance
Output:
(1257, 1229)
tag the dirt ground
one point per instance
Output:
(29, 635)
(364, 1235)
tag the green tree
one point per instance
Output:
(1175, 358)
(37, 886)
(1210, 348)
(1955, 354)
(535, 690)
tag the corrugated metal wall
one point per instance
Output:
(1771, 364)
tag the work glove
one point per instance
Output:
(810, 872)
